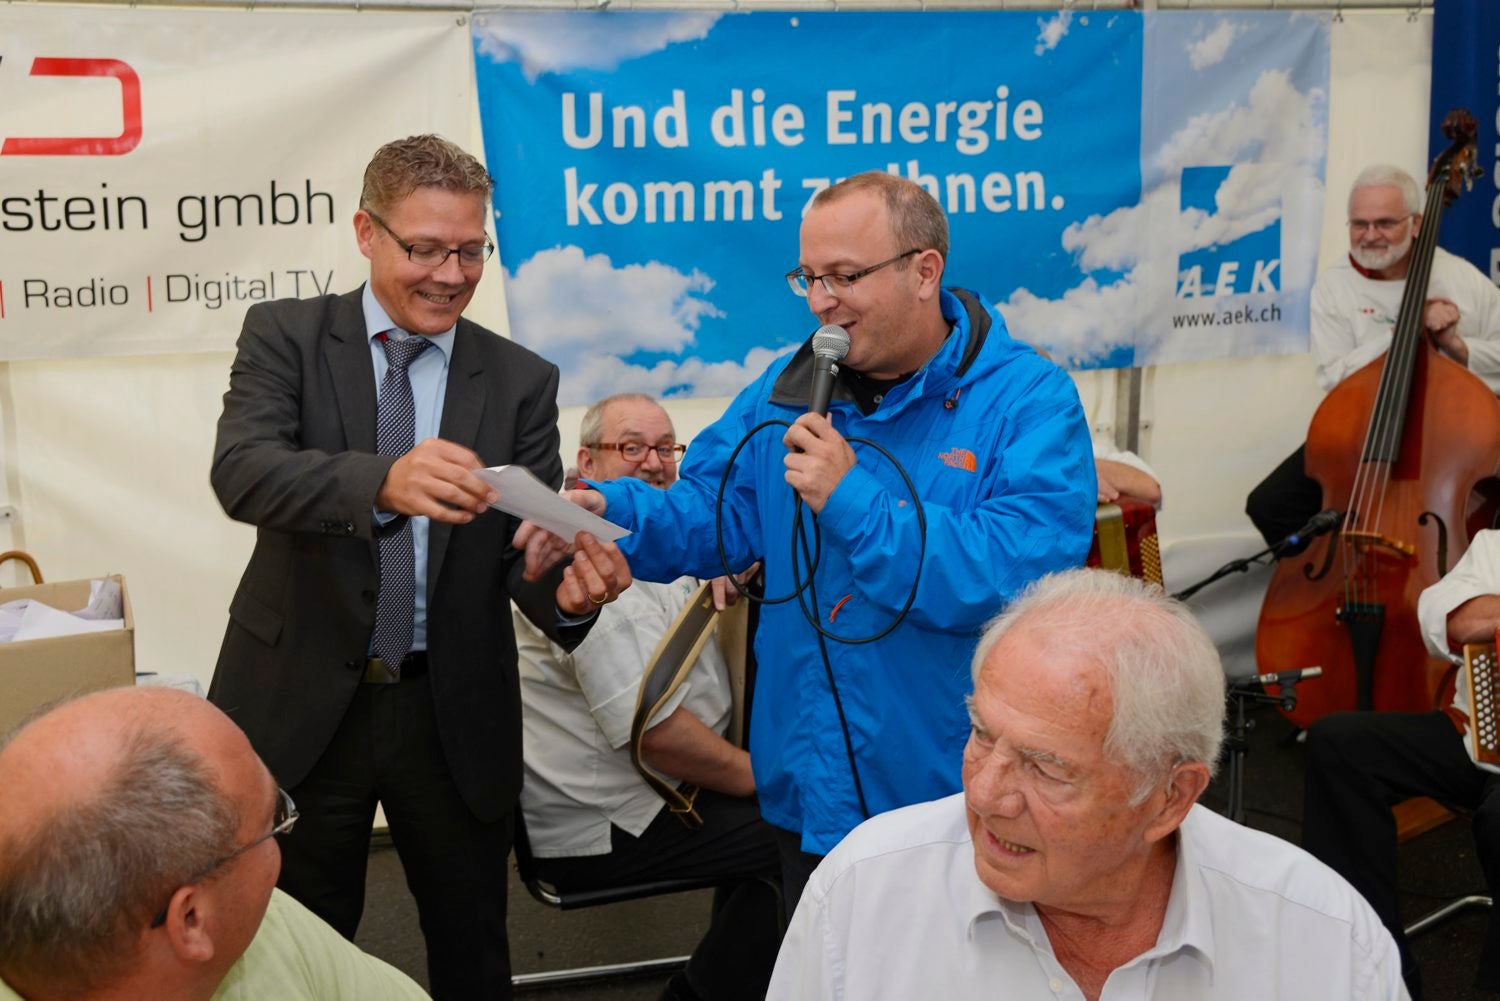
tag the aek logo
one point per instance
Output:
(1251, 263)
(130, 112)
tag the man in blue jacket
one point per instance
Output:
(995, 441)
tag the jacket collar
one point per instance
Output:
(793, 387)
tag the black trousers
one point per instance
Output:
(1359, 765)
(734, 959)
(796, 868)
(1284, 501)
(387, 751)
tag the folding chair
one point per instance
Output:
(575, 899)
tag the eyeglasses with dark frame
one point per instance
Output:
(635, 451)
(284, 820)
(1384, 226)
(427, 255)
(837, 284)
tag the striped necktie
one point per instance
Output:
(395, 434)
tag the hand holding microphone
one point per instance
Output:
(818, 456)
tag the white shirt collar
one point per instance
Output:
(1188, 922)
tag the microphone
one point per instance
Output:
(1284, 678)
(1323, 521)
(829, 345)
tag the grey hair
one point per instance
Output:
(591, 428)
(917, 220)
(77, 887)
(1165, 676)
(428, 161)
(1383, 175)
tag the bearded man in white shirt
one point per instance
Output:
(1075, 864)
(1354, 307)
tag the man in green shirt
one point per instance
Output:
(138, 859)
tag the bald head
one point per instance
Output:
(113, 801)
(64, 757)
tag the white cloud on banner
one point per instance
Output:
(589, 43)
(1279, 127)
(1053, 31)
(1211, 50)
(1278, 121)
(584, 314)
(594, 376)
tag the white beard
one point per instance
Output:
(1372, 259)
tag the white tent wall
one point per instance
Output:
(106, 460)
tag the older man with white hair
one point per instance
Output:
(1076, 863)
(1354, 307)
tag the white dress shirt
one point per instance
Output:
(897, 911)
(576, 711)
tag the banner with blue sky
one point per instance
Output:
(1128, 189)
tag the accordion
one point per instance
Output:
(1125, 540)
(1484, 696)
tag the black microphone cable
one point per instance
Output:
(804, 585)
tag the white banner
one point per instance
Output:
(161, 170)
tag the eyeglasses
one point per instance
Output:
(284, 820)
(1384, 226)
(635, 451)
(836, 284)
(429, 255)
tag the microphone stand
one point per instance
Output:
(1245, 691)
(1233, 566)
(1323, 521)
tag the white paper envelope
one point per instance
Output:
(525, 496)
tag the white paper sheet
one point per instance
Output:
(525, 496)
(33, 620)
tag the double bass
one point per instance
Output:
(1408, 450)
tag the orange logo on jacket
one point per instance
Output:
(960, 458)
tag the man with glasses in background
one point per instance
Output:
(1354, 309)
(592, 821)
(369, 656)
(995, 444)
(138, 859)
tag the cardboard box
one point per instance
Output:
(34, 672)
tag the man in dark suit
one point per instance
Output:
(369, 653)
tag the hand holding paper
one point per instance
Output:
(435, 479)
(596, 577)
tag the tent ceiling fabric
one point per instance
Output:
(1081, 5)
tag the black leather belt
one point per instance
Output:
(413, 665)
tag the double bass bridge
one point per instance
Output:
(1378, 544)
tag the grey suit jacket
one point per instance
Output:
(295, 456)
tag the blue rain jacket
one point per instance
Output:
(995, 440)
